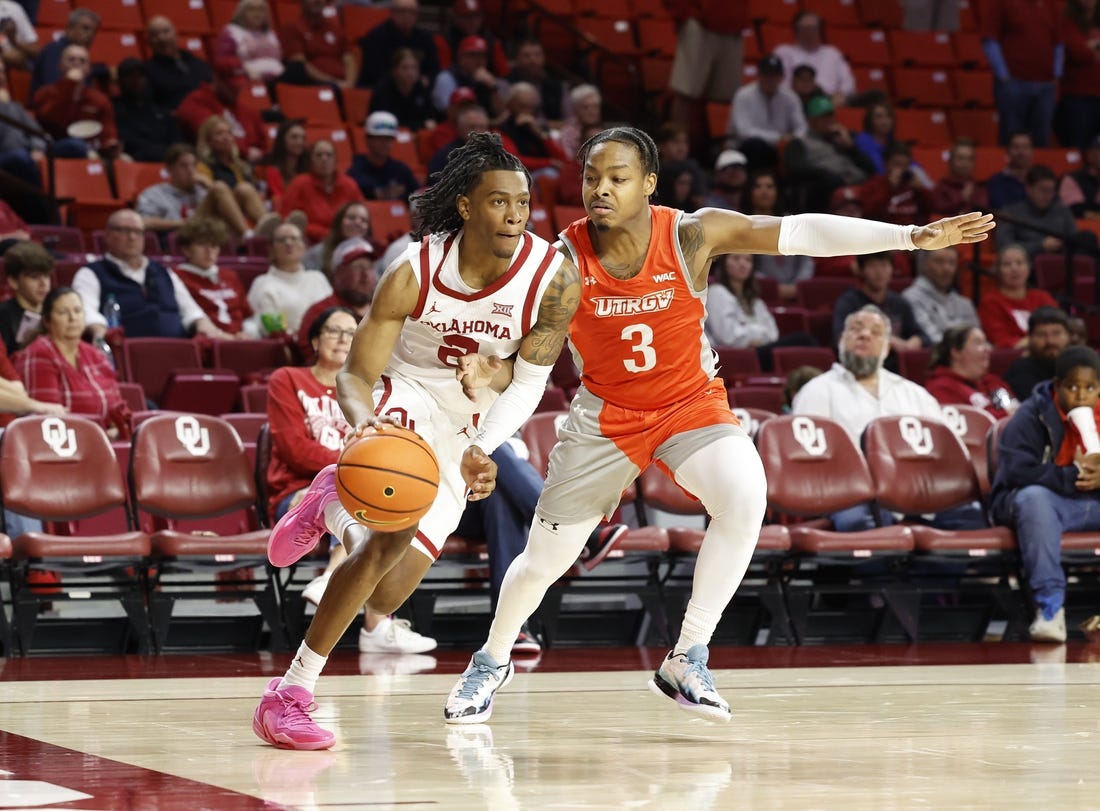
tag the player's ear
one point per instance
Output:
(649, 185)
(462, 203)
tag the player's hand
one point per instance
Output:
(368, 425)
(476, 372)
(961, 230)
(479, 472)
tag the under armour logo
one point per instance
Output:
(589, 281)
(550, 525)
(955, 421)
(193, 436)
(59, 436)
(916, 435)
(809, 436)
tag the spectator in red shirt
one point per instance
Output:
(315, 49)
(897, 195)
(527, 127)
(959, 373)
(354, 277)
(1004, 312)
(1077, 118)
(57, 367)
(288, 158)
(14, 400)
(223, 97)
(59, 105)
(958, 191)
(216, 290)
(321, 192)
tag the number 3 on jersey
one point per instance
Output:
(645, 357)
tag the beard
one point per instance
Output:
(356, 298)
(861, 367)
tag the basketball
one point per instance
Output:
(387, 479)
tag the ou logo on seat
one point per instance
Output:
(59, 436)
(193, 436)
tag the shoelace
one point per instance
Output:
(700, 672)
(474, 680)
(296, 713)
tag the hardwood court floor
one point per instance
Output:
(996, 726)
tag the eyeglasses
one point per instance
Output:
(288, 240)
(332, 332)
(127, 230)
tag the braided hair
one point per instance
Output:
(435, 206)
(642, 143)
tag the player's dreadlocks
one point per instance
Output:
(647, 150)
(435, 205)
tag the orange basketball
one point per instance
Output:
(387, 479)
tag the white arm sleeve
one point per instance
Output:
(515, 404)
(830, 235)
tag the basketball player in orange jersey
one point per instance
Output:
(477, 284)
(649, 394)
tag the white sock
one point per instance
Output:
(339, 521)
(304, 670)
(549, 554)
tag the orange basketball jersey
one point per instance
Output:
(639, 343)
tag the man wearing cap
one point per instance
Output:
(469, 70)
(173, 73)
(222, 97)
(727, 181)
(825, 157)
(380, 176)
(145, 128)
(378, 45)
(765, 115)
(70, 99)
(446, 130)
(1080, 190)
(468, 20)
(354, 277)
(315, 49)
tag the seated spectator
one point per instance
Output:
(405, 93)
(736, 315)
(523, 123)
(585, 118)
(321, 191)
(80, 29)
(1046, 482)
(145, 128)
(762, 196)
(874, 271)
(826, 157)
(165, 206)
(29, 269)
(471, 118)
(316, 50)
(249, 42)
(796, 379)
(877, 134)
(288, 158)
(899, 195)
(529, 65)
(857, 390)
(804, 84)
(223, 97)
(765, 115)
(216, 290)
(469, 70)
(1007, 186)
(154, 302)
(173, 73)
(20, 151)
(352, 221)
(727, 182)
(58, 367)
(1047, 336)
(1080, 189)
(307, 433)
(377, 46)
(467, 19)
(958, 373)
(1004, 311)
(831, 69)
(958, 191)
(354, 277)
(378, 175)
(280, 297)
(680, 181)
(446, 130)
(937, 304)
(59, 105)
(220, 162)
(1042, 208)
(18, 39)
(1078, 331)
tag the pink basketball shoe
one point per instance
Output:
(297, 532)
(283, 720)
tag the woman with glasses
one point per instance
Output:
(307, 433)
(958, 372)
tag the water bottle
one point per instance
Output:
(104, 347)
(112, 311)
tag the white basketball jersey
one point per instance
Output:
(452, 319)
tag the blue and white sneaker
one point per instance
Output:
(471, 699)
(685, 679)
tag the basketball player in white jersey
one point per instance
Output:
(476, 284)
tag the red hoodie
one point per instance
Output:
(988, 391)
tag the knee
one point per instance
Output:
(219, 187)
(244, 189)
(1032, 500)
(386, 599)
